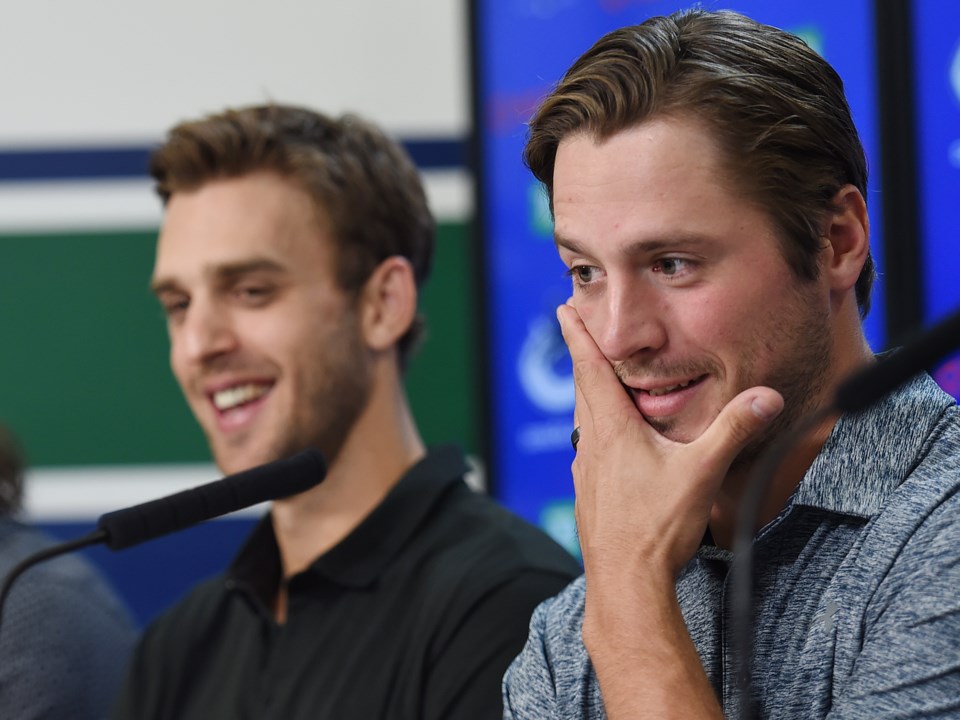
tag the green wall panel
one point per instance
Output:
(444, 376)
(84, 377)
(83, 369)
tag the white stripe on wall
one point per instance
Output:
(106, 205)
(82, 494)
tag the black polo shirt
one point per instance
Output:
(415, 615)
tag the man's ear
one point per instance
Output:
(388, 303)
(847, 237)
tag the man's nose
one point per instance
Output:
(207, 332)
(632, 322)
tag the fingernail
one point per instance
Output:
(765, 407)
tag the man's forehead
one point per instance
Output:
(224, 228)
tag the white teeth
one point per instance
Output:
(231, 397)
(664, 390)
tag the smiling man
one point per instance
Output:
(708, 186)
(289, 264)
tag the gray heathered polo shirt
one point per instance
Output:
(858, 612)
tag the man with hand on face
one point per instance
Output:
(708, 184)
(288, 265)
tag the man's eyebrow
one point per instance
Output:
(569, 244)
(224, 272)
(639, 247)
(161, 286)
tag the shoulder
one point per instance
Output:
(559, 621)
(927, 499)
(910, 551)
(552, 676)
(474, 536)
(479, 570)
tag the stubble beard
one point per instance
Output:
(800, 375)
(342, 395)
(337, 395)
(804, 351)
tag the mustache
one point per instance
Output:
(657, 367)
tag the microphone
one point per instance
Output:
(864, 388)
(856, 393)
(275, 480)
(124, 528)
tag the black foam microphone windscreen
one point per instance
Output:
(272, 481)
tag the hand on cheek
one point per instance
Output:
(643, 501)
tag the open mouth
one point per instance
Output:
(667, 389)
(239, 395)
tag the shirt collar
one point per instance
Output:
(361, 557)
(870, 453)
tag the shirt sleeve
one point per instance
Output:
(910, 662)
(553, 679)
(466, 679)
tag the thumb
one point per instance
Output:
(743, 419)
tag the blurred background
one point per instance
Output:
(90, 87)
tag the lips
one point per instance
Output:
(660, 400)
(232, 397)
(236, 404)
(658, 392)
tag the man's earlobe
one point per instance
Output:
(389, 303)
(847, 234)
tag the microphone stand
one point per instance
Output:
(97, 536)
(742, 583)
(124, 528)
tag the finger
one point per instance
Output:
(743, 419)
(578, 417)
(599, 389)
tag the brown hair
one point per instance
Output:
(362, 182)
(777, 109)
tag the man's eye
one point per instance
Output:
(174, 308)
(583, 274)
(671, 266)
(253, 292)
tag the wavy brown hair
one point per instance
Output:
(362, 183)
(775, 106)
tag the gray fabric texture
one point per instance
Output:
(857, 604)
(65, 637)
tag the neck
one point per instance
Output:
(382, 445)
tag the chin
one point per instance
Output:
(235, 462)
(676, 430)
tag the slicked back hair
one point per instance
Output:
(363, 184)
(775, 107)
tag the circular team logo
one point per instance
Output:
(544, 367)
